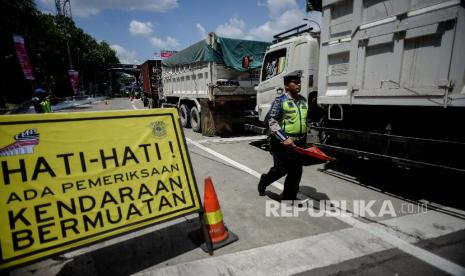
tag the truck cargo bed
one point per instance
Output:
(393, 52)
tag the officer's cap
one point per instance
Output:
(294, 75)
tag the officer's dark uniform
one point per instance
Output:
(287, 119)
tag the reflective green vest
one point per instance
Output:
(46, 108)
(294, 121)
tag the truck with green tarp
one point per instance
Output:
(212, 83)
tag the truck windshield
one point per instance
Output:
(274, 64)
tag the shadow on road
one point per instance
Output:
(439, 187)
(261, 144)
(313, 193)
(135, 254)
(310, 192)
(273, 196)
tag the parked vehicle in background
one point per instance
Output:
(295, 49)
(150, 72)
(208, 84)
(388, 80)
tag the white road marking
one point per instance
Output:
(306, 253)
(424, 255)
(294, 256)
(235, 139)
(375, 230)
(232, 162)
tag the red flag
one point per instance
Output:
(74, 79)
(22, 57)
(314, 152)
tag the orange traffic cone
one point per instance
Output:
(218, 232)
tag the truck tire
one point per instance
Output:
(184, 115)
(195, 119)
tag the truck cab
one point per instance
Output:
(291, 50)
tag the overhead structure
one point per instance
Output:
(63, 7)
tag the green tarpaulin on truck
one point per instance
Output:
(230, 52)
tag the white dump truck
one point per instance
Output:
(210, 85)
(385, 79)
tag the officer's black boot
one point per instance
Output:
(262, 185)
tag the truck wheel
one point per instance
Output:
(184, 114)
(195, 119)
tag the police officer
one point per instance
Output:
(41, 101)
(287, 120)
(40, 96)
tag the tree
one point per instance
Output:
(46, 37)
(16, 17)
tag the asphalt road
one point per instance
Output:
(396, 235)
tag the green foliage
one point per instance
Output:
(46, 37)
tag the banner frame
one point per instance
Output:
(178, 129)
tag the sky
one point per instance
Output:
(137, 30)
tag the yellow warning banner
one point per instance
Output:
(71, 179)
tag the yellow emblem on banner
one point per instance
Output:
(72, 179)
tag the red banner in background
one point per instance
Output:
(22, 57)
(164, 54)
(74, 79)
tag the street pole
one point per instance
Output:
(69, 52)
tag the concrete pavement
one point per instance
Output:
(330, 249)
(414, 242)
(73, 103)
